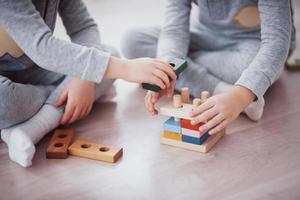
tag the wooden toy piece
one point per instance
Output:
(191, 133)
(95, 151)
(177, 101)
(177, 119)
(173, 136)
(204, 96)
(204, 148)
(185, 95)
(195, 140)
(293, 64)
(196, 102)
(172, 125)
(184, 123)
(178, 65)
(60, 141)
(182, 113)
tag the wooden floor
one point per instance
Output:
(253, 161)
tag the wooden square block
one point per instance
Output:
(95, 151)
(195, 140)
(172, 125)
(60, 141)
(204, 148)
(171, 111)
(172, 135)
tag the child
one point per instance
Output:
(35, 94)
(236, 49)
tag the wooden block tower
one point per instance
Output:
(178, 130)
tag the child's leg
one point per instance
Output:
(142, 42)
(22, 137)
(228, 66)
(19, 102)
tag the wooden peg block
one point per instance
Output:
(60, 141)
(182, 113)
(203, 148)
(95, 151)
(177, 101)
(185, 95)
(196, 102)
(204, 96)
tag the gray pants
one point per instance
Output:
(207, 65)
(23, 93)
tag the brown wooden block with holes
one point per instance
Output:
(60, 141)
(95, 151)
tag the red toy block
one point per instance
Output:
(185, 123)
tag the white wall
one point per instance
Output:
(114, 17)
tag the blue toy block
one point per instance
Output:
(194, 140)
(172, 125)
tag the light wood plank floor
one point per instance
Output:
(253, 161)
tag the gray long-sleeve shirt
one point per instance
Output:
(216, 22)
(30, 26)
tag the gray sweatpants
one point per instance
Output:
(206, 66)
(23, 93)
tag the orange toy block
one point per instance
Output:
(60, 141)
(95, 151)
(173, 136)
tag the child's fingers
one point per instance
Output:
(205, 106)
(219, 127)
(167, 69)
(170, 90)
(148, 101)
(68, 113)
(163, 76)
(157, 81)
(75, 115)
(205, 116)
(88, 111)
(83, 112)
(211, 123)
(62, 99)
(154, 97)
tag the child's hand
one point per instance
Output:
(142, 70)
(79, 99)
(147, 70)
(220, 110)
(152, 97)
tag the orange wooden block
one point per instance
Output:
(60, 141)
(173, 136)
(95, 151)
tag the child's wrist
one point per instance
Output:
(117, 68)
(244, 95)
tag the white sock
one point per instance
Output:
(22, 137)
(254, 111)
(22, 158)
